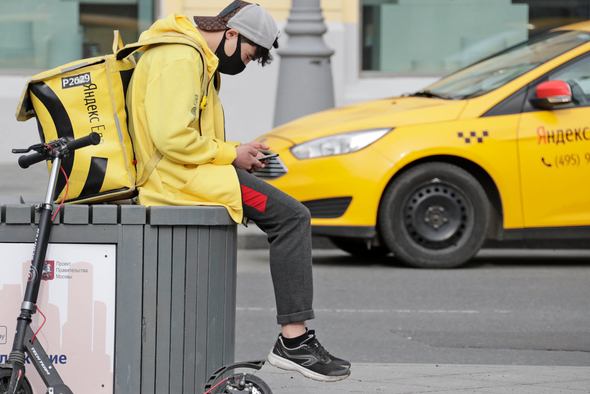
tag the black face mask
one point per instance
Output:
(233, 64)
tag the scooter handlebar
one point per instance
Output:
(28, 160)
(90, 139)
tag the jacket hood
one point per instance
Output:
(391, 112)
(175, 23)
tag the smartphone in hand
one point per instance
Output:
(268, 156)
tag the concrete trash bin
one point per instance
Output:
(175, 288)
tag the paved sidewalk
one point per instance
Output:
(456, 379)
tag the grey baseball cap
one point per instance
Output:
(250, 20)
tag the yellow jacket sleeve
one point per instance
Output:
(172, 107)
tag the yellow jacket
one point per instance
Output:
(164, 101)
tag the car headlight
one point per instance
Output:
(338, 144)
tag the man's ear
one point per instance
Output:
(231, 33)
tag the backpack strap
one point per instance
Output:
(117, 41)
(166, 38)
(149, 168)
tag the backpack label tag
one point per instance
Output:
(75, 80)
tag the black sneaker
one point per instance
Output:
(310, 359)
(339, 361)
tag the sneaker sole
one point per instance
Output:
(288, 365)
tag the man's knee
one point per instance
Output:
(298, 216)
(303, 213)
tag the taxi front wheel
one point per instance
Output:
(434, 215)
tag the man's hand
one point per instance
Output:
(246, 157)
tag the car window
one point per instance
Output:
(577, 75)
(507, 65)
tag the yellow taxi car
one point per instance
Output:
(497, 150)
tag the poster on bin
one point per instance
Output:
(77, 297)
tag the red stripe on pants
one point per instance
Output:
(254, 199)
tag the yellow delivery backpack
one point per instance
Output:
(87, 96)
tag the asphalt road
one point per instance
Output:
(505, 308)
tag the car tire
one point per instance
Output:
(434, 215)
(358, 247)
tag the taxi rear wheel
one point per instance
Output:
(435, 215)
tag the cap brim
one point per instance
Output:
(210, 23)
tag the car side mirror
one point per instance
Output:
(551, 94)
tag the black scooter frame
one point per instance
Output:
(23, 338)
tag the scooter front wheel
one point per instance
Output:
(242, 383)
(5, 374)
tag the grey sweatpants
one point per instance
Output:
(286, 222)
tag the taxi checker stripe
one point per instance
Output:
(468, 136)
(63, 126)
